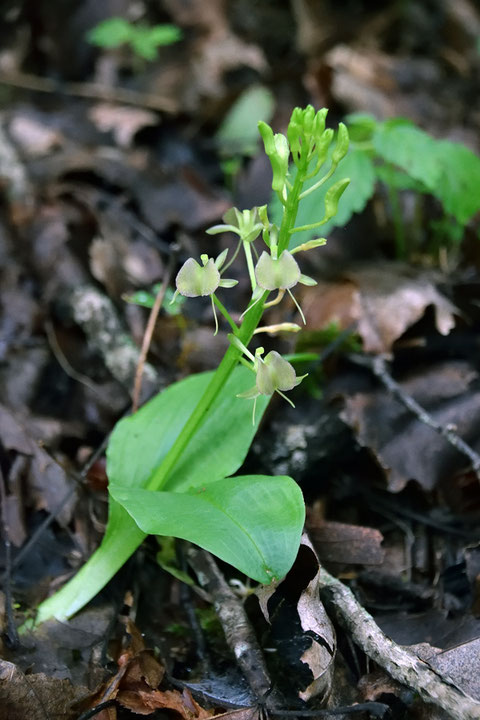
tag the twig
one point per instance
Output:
(98, 318)
(33, 539)
(90, 91)
(11, 635)
(147, 337)
(62, 360)
(378, 366)
(403, 665)
(235, 623)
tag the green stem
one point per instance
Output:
(251, 268)
(291, 208)
(399, 229)
(318, 184)
(160, 475)
(307, 227)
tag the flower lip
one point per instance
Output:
(194, 279)
(280, 273)
(275, 373)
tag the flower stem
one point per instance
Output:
(291, 208)
(160, 475)
(225, 313)
(251, 269)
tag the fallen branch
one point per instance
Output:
(401, 664)
(96, 315)
(90, 91)
(238, 631)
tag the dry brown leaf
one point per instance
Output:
(347, 544)
(47, 482)
(384, 300)
(122, 120)
(35, 696)
(145, 702)
(406, 448)
(314, 621)
(35, 138)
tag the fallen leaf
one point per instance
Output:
(383, 300)
(122, 120)
(47, 481)
(145, 702)
(35, 696)
(317, 629)
(347, 544)
(406, 448)
(35, 138)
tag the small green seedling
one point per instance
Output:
(400, 156)
(171, 465)
(144, 40)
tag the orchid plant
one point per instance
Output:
(170, 465)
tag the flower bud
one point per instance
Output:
(332, 198)
(341, 147)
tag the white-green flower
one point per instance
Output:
(274, 374)
(195, 280)
(280, 274)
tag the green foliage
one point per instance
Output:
(143, 39)
(140, 442)
(253, 522)
(172, 305)
(403, 157)
(238, 133)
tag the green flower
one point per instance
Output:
(195, 280)
(280, 274)
(274, 374)
(243, 223)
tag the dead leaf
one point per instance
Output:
(406, 448)
(383, 301)
(35, 696)
(462, 665)
(312, 618)
(47, 482)
(35, 138)
(347, 544)
(122, 120)
(145, 702)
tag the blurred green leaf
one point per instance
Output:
(238, 133)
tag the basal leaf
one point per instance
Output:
(140, 442)
(253, 522)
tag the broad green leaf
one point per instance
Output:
(110, 33)
(253, 522)
(358, 166)
(140, 442)
(396, 178)
(448, 170)
(409, 148)
(459, 186)
(238, 132)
